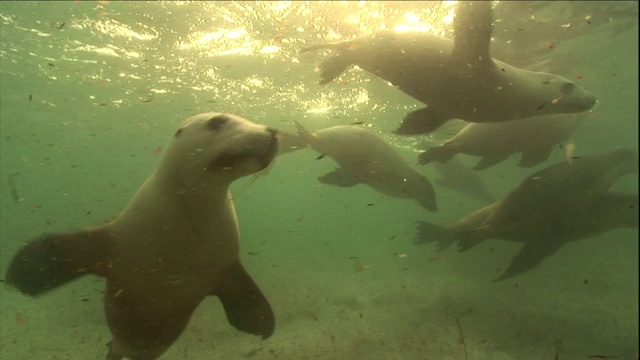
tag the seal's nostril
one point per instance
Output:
(272, 130)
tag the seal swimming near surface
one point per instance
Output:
(174, 244)
(565, 202)
(534, 138)
(364, 158)
(456, 79)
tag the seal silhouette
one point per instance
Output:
(364, 158)
(174, 244)
(456, 79)
(565, 202)
(534, 138)
(456, 176)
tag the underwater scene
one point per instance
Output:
(421, 180)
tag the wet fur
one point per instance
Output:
(174, 244)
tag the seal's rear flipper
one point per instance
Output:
(534, 157)
(421, 121)
(530, 256)
(246, 307)
(54, 259)
(428, 233)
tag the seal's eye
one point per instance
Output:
(217, 122)
(178, 132)
(567, 88)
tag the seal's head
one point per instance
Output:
(571, 97)
(219, 145)
(553, 94)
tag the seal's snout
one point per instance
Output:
(591, 101)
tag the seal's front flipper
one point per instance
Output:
(339, 177)
(247, 309)
(332, 67)
(421, 121)
(429, 232)
(489, 161)
(472, 33)
(441, 154)
(530, 256)
(54, 259)
(426, 194)
(534, 157)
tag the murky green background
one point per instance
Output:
(91, 91)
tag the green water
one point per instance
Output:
(91, 94)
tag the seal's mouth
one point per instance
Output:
(260, 152)
(272, 151)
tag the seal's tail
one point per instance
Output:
(55, 259)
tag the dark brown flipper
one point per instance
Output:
(335, 65)
(421, 121)
(332, 67)
(441, 154)
(246, 307)
(472, 33)
(54, 259)
(429, 232)
(426, 195)
(530, 256)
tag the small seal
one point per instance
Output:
(364, 158)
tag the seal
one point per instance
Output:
(565, 202)
(534, 138)
(458, 177)
(456, 79)
(174, 244)
(364, 158)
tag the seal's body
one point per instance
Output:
(174, 244)
(456, 79)
(533, 138)
(365, 158)
(565, 202)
